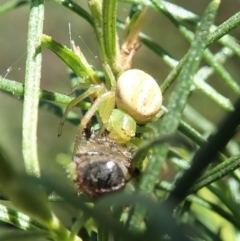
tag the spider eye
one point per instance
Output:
(138, 94)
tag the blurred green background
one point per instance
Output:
(13, 32)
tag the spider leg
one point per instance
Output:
(78, 86)
(74, 102)
(87, 117)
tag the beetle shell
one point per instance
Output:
(138, 94)
(101, 166)
(100, 174)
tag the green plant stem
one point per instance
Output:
(17, 89)
(232, 218)
(221, 170)
(78, 224)
(168, 187)
(176, 105)
(200, 122)
(20, 235)
(10, 5)
(222, 30)
(77, 9)
(208, 56)
(31, 88)
(204, 157)
(218, 172)
(75, 62)
(31, 198)
(209, 177)
(18, 219)
(103, 233)
(222, 101)
(217, 33)
(196, 137)
(109, 17)
(199, 78)
(96, 10)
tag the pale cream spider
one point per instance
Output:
(134, 97)
(129, 96)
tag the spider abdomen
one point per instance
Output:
(138, 94)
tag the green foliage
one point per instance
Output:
(200, 200)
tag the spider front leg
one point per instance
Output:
(91, 90)
(105, 104)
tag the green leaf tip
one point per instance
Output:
(217, 1)
(70, 58)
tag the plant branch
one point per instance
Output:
(32, 86)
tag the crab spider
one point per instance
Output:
(136, 98)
